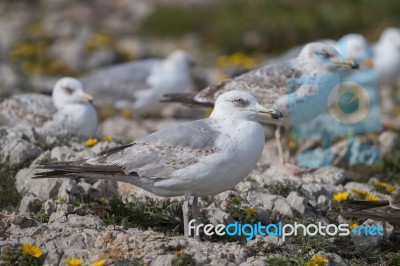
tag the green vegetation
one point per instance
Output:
(264, 26)
(30, 256)
(133, 262)
(9, 196)
(182, 259)
(160, 215)
(280, 188)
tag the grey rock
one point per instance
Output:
(42, 188)
(100, 57)
(122, 128)
(297, 202)
(367, 244)
(387, 142)
(221, 262)
(49, 207)
(313, 191)
(334, 259)
(330, 175)
(9, 81)
(163, 260)
(261, 198)
(217, 216)
(30, 203)
(253, 262)
(71, 52)
(16, 146)
(282, 207)
(68, 190)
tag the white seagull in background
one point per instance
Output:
(269, 85)
(355, 47)
(194, 159)
(68, 111)
(387, 57)
(140, 85)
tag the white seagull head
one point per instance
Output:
(391, 38)
(242, 106)
(69, 91)
(325, 57)
(180, 59)
(355, 47)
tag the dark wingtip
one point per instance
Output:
(185, 98)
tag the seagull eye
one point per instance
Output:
(68, 90)
(324, 54)
(239, 101)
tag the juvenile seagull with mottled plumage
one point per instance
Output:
(198, 158)
(269, 85)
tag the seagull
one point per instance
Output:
(386, 57)
(355, 47)
(269, 85)
(352, 46)
(141, 85)
(382, 210)
(69, 110)
(194, 159)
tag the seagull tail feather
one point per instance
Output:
(77, 169)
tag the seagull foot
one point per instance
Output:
(292, 169)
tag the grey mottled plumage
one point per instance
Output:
(382, 210)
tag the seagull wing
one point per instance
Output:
(155, 156)
(267, 83)
(119, 82)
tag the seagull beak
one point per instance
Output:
(345, 64)
(86, 97)
(263, 114)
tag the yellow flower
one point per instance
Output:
(341, 196)
(74, 262)
(179, 251)
(127, 113)
(31, 250)
(354, 225)
(251, 211)
(236, 59)
(107, 138)
(91, 142)
(292, 144)
(360, 193)
(98, 40)
(101, 262)
(62, 199)
(317, 260)
(379, 184)
(370, 197)
(390, 189)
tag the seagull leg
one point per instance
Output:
(285, 166)
(185, 210)
(278, 137)
(195, 213)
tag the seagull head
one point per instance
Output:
(241, 105)
(324, 56)
(355, 47)
(181, 59)
(390, 38)
(69, 91)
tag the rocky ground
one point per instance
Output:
(81, 218)
(93, 220)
